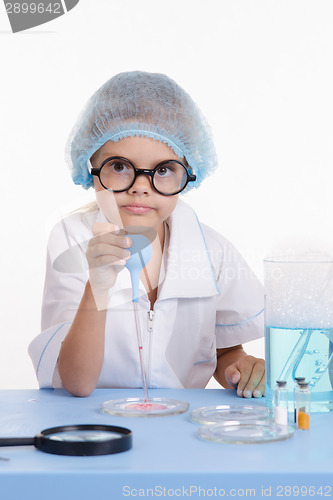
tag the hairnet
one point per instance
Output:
(147, 105)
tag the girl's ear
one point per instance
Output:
(89, 165)
(187, 165)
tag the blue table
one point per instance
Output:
(168, 459)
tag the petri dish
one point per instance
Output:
(246, 432)
(222, 413)
(138, 407)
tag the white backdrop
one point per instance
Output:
(260, 70)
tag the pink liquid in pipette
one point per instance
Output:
(140, 348)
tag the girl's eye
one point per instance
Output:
(118, 167)
(162, 171)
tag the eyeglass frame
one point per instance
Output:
(142, 171)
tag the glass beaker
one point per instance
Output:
(299, 327)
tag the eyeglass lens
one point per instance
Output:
(118, 175)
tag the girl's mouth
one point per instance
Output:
(137, 209)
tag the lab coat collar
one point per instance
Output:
(189, 271)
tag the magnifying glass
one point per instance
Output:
(77, 440)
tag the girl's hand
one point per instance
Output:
(247, 374)
(106, 254)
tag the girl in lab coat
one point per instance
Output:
(140, 142)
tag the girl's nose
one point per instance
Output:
(142, 185)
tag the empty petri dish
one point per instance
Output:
(222, 413)
(246, 432)
(138, 407)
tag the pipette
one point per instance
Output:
(141, 253)
(296, 356)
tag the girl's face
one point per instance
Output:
(140, 205)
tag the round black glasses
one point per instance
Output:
(118, 174)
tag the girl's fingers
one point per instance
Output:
(100, 249)
(255, 386)
(260, 389)
(104, 227)
(232, 375)
(107, 229)
(105, 260)
(245, 371)
(252, 378)
(111, 239)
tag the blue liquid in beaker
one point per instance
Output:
(296, 352)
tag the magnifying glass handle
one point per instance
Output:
(16, 441)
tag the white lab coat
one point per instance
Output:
(208, 298)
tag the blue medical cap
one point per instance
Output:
(144, 105)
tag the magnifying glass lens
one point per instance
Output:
(84, 436)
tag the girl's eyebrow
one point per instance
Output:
(108, 155)
(104, 156)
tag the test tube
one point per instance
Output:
(281, 403)
(303, 406)
(297, 380)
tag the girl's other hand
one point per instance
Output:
(247, 374)
(106, 254)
